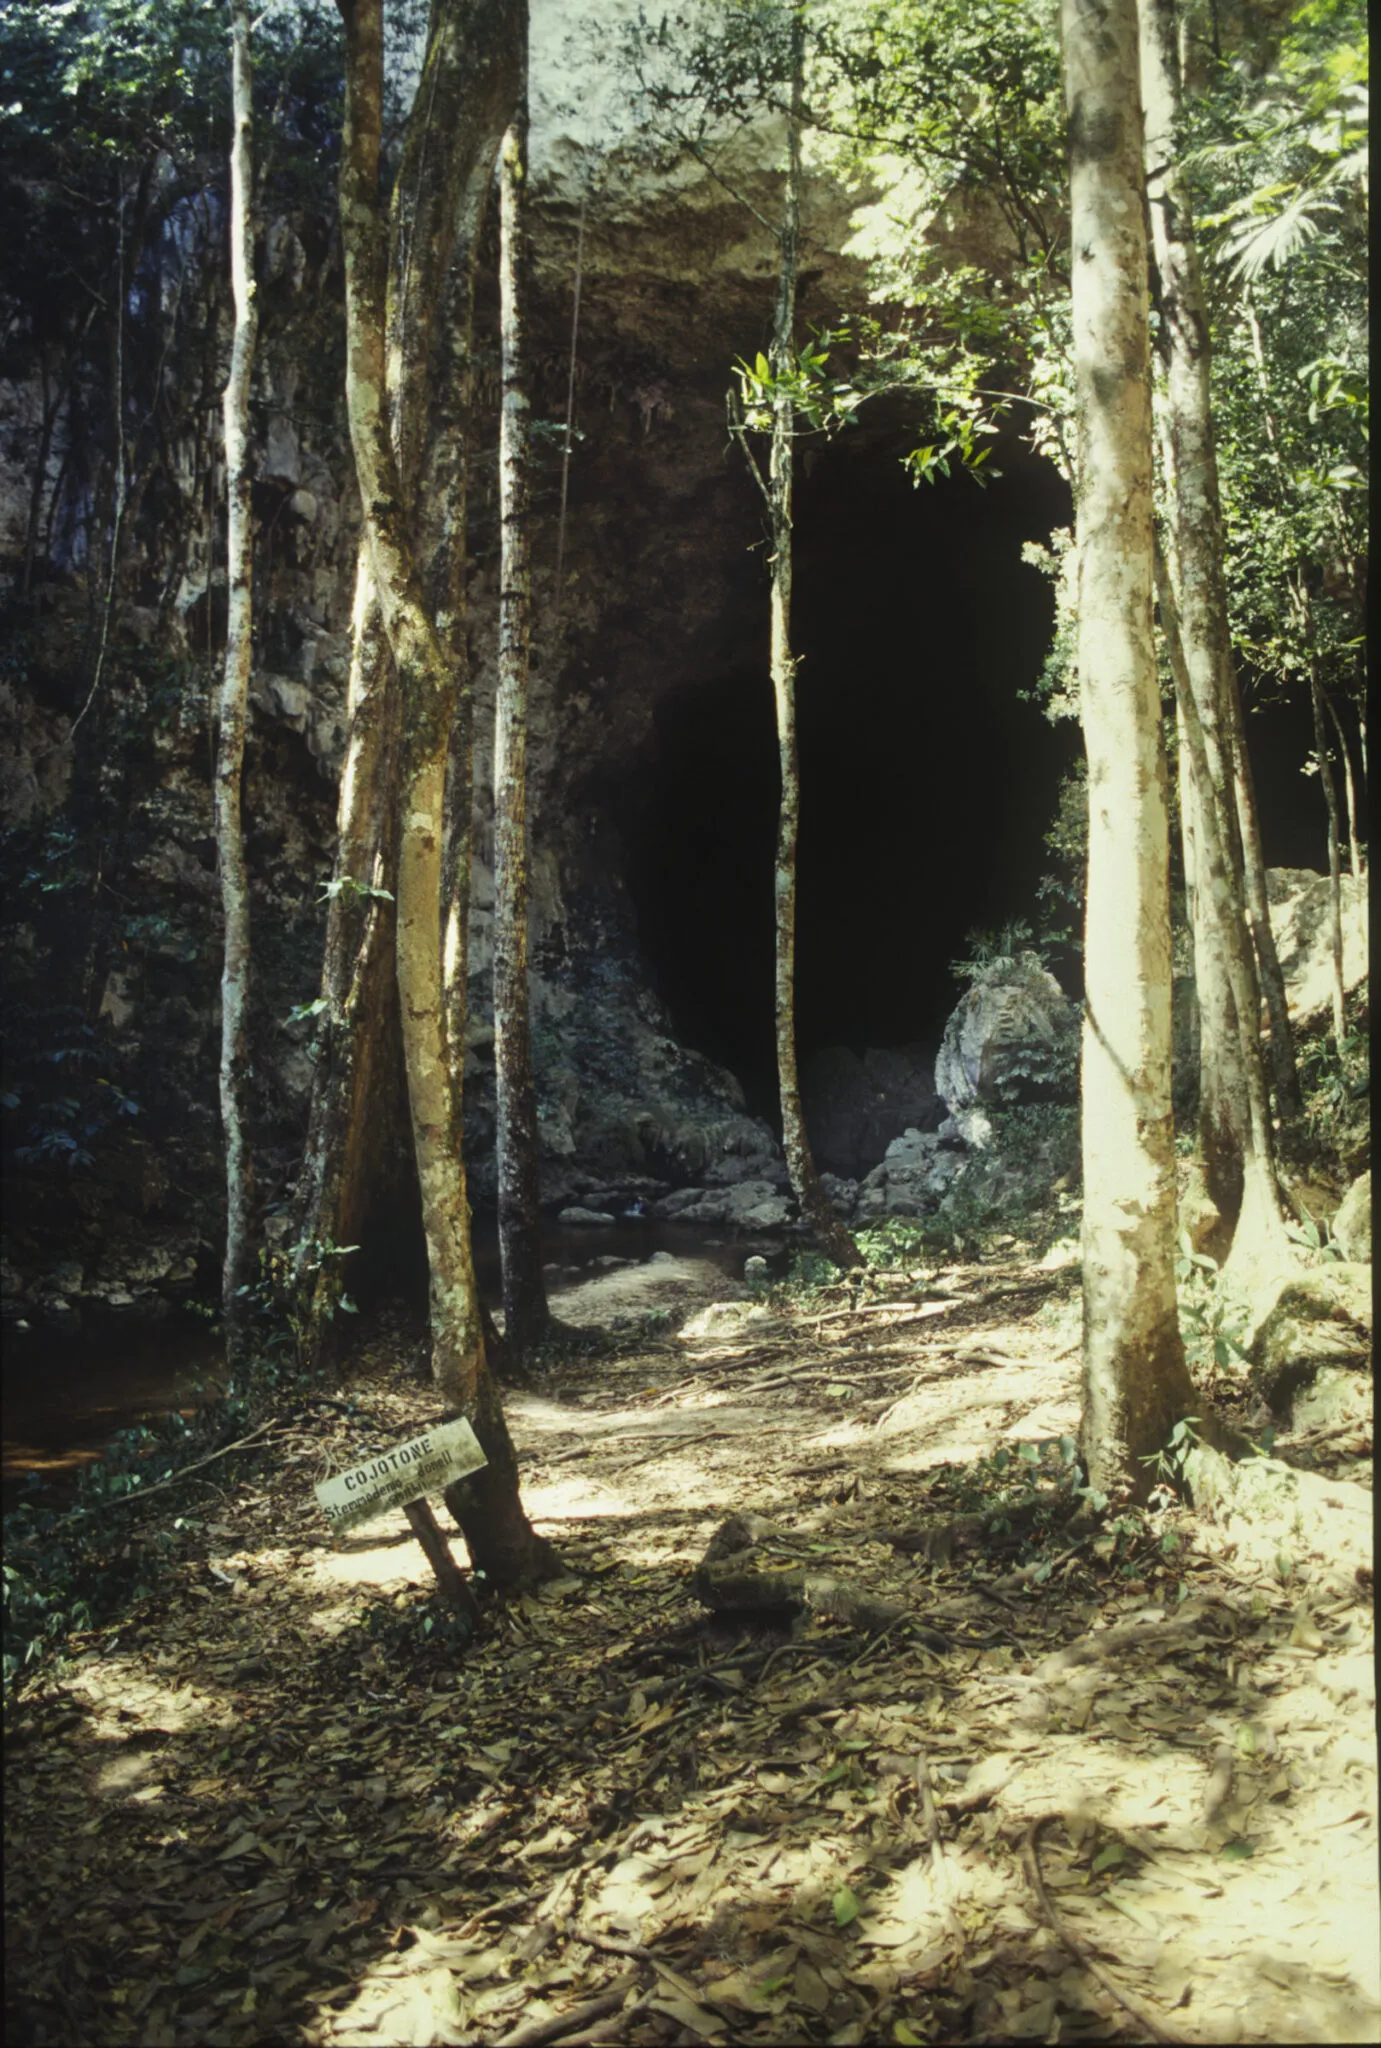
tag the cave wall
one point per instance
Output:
(652, 762)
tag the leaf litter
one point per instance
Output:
(1012, 1777)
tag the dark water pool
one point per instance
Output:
(67, 1392)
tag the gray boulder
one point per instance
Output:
(1352, 1224)
(854, 1103)
(1301, 924)
(1012, 1038)
(912, 1180)
(1306, 1323)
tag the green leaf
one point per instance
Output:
(846, 1906)
(1109, 1856)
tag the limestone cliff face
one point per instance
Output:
(663, 583)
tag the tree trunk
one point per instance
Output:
(464, 101)
(1234, 1137)
(1136, 1383)
(527, 1317)
(830, 1234)
(230, 748)
(1330, 797)
(1284, 1072)
(1259, 1244)
(1354, 858)
(350, 1172)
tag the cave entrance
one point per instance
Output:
(927, 780)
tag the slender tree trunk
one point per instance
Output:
(829, 1232)
(1136, 1383)
(1235, 1140)
(1330, 797)
(1354, 858)
(526, 1314)
(1284, 1071)
(350, 1167)
(1259, 1244)
(464, 102)
(230, 750)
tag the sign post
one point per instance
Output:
(402, 1478)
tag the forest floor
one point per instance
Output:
(281, 1801)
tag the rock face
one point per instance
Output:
(855, 1105)
(1352, 1223)
(1013, 1038)
(1306, 1324)
(912, 1180)
(1301, 921)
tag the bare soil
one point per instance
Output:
(1097, 1782)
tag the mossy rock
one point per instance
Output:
(1308, 1322)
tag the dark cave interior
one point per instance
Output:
(927, 782)
(928, 779)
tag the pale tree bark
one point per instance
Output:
(464, 101)
(527, 1317)
(1259, 1243)
(1299, 600)
(1235, 1160)
(234, 697)
(1330, 797)
(349, 1175)
(1284, 1071)
(1136, 1382)
(828, 1231)
(1354, 856)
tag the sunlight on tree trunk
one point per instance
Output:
(1136, 1383)
(464, 102)
(230, 747)
(1259, 1244)
(526, 1315)
(350, 1166)
(830, 1234)
(1235, 1147)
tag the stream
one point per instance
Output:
(67, 1392)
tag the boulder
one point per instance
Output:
(854, 1103)
(1352, 1223)
(1307, 1322)
(911, 1181)
(577, 1214)
(1013, 1038)
(752, 1205)
(1301, 919)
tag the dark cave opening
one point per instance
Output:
(927, 780)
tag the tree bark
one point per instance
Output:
(829, 1232)
(1259, 1243)
(464, 101)
(1234, 1136)
(527, 1317)
(234, 695)
(1330, 797)
(350, 1173)
(1284, 1072)
(1136, 1382)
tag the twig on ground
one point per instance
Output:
(124, 1500)
(537, 2032)
(1031, 1862)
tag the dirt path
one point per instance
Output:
(270, 1807)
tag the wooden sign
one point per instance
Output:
(397, 1478)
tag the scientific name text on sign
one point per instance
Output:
(390, 1479)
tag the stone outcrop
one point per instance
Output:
(1301, 921)
(1306, 1324)
(855, 1104)
(1012, 1038)
(1351, 1229)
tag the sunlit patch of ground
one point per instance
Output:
(279, 1803)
